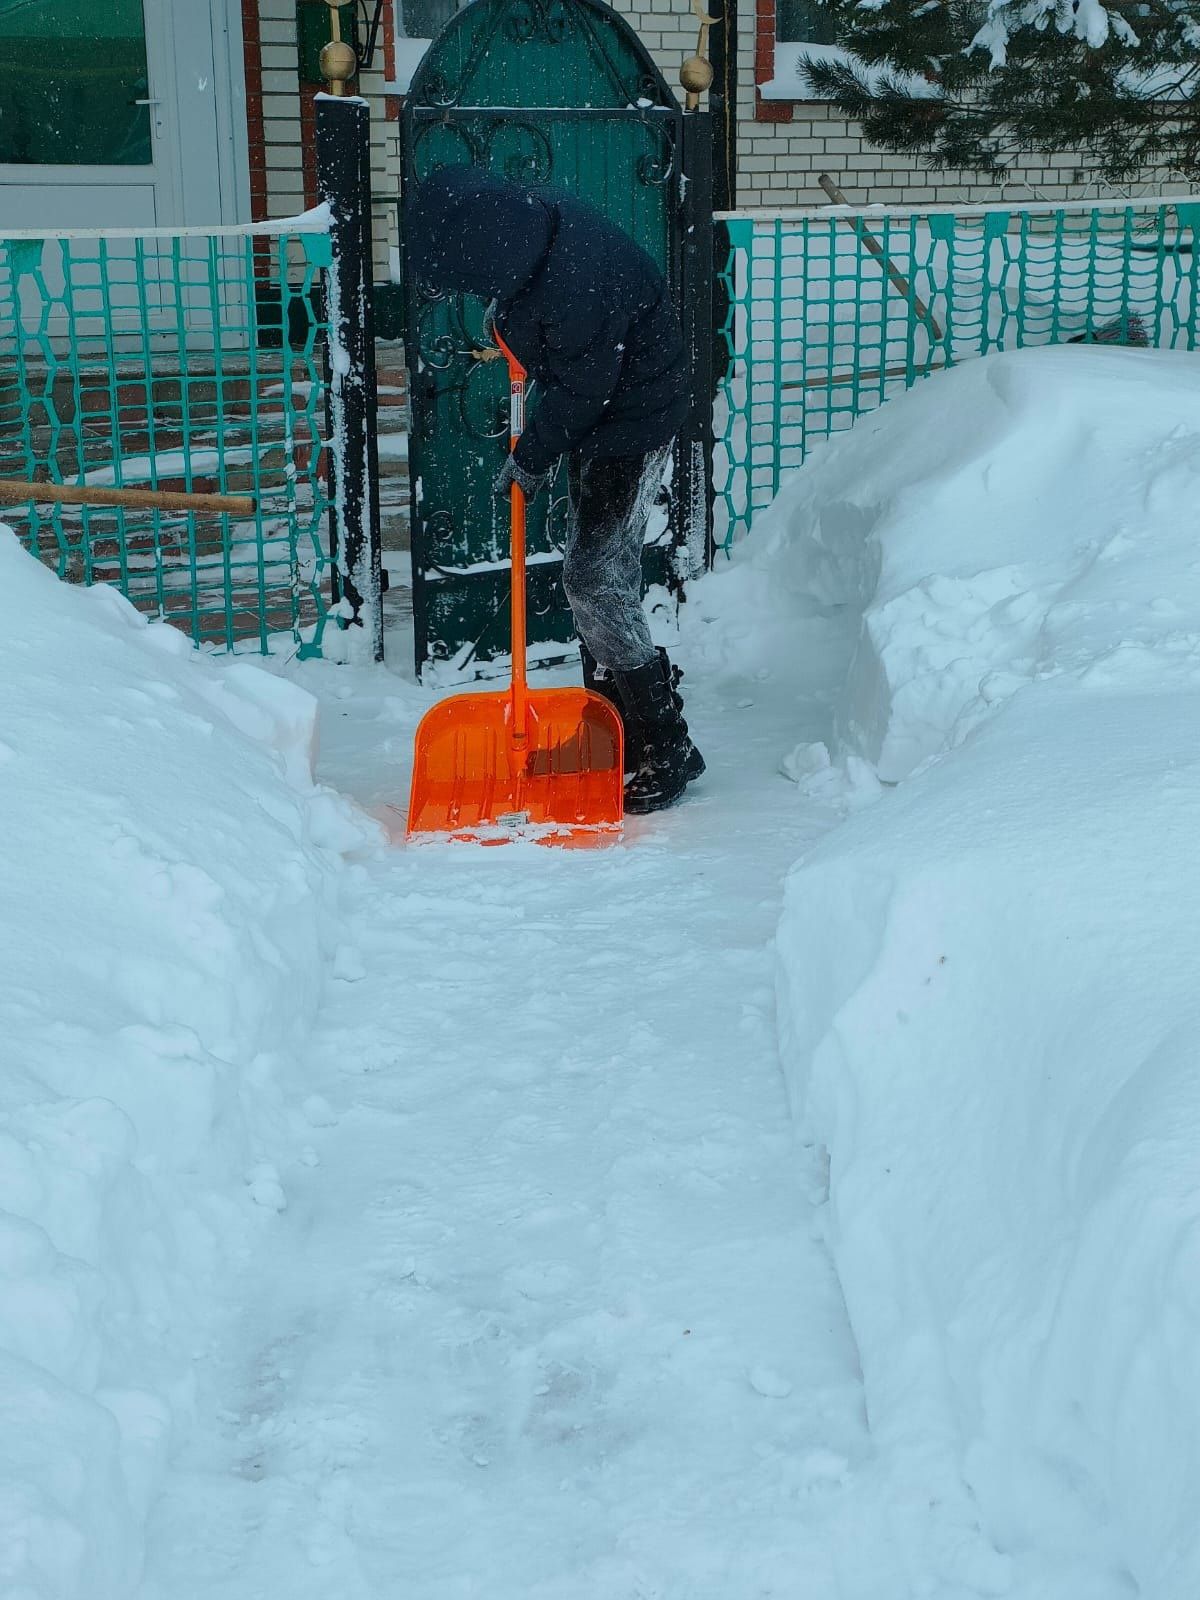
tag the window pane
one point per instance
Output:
(804, 22)
(70, 71)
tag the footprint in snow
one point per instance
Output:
(542, 1280)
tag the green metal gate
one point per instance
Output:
(558, 94)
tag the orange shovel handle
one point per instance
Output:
(520, 685)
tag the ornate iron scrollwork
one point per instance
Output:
(533, 165)
(525, 20)
(560, 506)
(557, 24)
(483, 403)
(437, 90)
(434, 143)
(521, 21)
(654, 172)
(617, 64)
(439, 528)
(441, 330)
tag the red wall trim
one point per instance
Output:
(308, 140)
(392, 102)
(256, 134)
(764, 41)
(764, 65)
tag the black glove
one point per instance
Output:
(529, 483)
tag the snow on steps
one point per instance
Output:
(169, 882)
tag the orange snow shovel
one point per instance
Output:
(544, 764)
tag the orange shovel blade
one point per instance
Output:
(471, 779)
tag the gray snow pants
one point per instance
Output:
(611, 500)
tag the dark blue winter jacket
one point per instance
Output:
(586, 311)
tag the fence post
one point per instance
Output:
(696, 308)
(344, 184)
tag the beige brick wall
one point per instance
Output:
(281, 107)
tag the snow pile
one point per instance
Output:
(954, 531)
(167, 879)
(990, 1014)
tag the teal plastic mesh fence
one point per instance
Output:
(175, 361)
(828, 313)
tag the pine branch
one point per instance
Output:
(974, 83)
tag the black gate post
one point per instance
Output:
(696, 309)
(722, 105)
(344, 184)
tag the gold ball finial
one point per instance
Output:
(696, 74)
(338, 64)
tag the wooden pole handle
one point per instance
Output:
(14, 492)
(840, 380)
(899, 281)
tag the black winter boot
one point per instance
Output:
(601, 681)
(670, 761)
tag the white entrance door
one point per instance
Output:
(121, 113)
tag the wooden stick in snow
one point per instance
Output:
(14, 492)
(899, 281)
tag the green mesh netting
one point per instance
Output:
(180, 362)
(829, 315)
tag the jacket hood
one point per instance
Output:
(468, 231)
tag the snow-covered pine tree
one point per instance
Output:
(974, 83)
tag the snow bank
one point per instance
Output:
(166, 880)
(953, 529)
(989, 1009)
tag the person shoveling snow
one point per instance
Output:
(589, 316)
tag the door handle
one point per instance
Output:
(145, 102)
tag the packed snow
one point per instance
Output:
(548, 1321)
(432, 1221)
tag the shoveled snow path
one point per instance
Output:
(549, 1319)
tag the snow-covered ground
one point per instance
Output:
(455, 1238)
(987, 984)
(549, 1319)
(168, 884)
(491, 1264)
